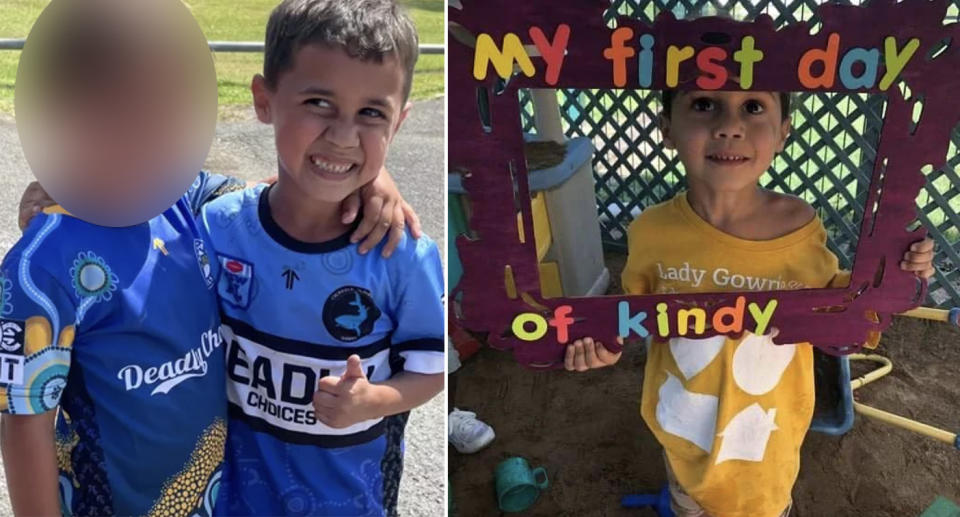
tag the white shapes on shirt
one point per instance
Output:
(758, 364)
(691, 416)
(747, 434)
(693, 355)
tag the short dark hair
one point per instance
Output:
(367, 30)
(667, 97)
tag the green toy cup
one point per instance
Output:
(518, 486)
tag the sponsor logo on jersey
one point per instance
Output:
(164, 377)
(236, 281)
(277, 387)
(11, 351)
(11, 336)
(349, 313)
(204, 261)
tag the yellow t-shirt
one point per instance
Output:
(731, 414)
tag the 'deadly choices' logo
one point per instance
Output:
(349, 313)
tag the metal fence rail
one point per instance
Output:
(222, 46)
(828, 159)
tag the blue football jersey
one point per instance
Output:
(119, 328)
(292, 313)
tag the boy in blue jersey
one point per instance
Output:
(117, 327)
(327, 349)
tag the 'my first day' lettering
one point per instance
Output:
(895, 59)
(513, 52)
(857, 68)
(713, 74)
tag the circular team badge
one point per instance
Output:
(349, 313)
(339, 262)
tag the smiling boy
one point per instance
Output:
(327, 349)
(730, 413)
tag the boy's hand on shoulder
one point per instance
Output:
(587, 354)
(919, 259)
(346, 400)
(34, 200)
(384, 210)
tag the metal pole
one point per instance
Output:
(222, 46)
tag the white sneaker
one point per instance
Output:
(468, 434)
(453, 358)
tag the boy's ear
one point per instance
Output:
(664, 124)
(261, 98)
(785, 127)
(403, 116)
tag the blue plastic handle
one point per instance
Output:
(659, 502)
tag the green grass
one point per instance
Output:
(231, 20)
(18, 17)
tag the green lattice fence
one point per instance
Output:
(827, 161)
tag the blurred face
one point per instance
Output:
(334, 117)
(120, 136)
(116, 106)
(725, 140)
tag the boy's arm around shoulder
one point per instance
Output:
(209, 186)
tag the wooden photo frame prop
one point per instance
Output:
(863, 49)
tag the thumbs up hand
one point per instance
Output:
(348, 399)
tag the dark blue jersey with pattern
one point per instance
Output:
(119, 328)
